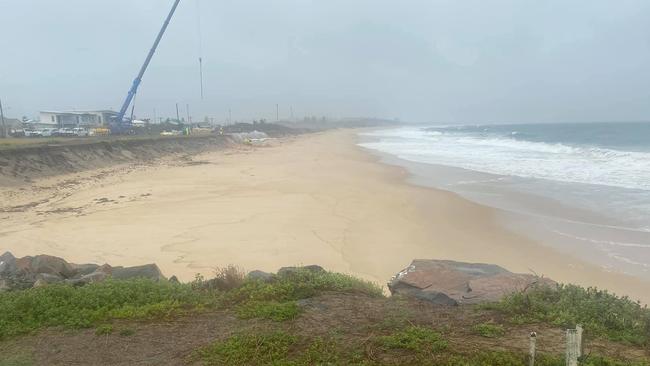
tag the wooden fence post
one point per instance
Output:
(572, 348)
(533, 341)
(579, 339)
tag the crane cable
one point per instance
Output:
(198, 26)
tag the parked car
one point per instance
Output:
(33, 133)
(47, 132)
(81, 132)
(99, 132)
(64, 132)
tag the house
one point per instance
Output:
(71, 119)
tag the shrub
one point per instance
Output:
(105, 329)
(330, 351)
(228, 278)
(494, 358)
(300, 284)
(489, 330)
(600, 313)
(597, 360)
(414, 338)
(249, 349)
(82, 307)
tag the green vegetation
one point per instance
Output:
(489, 330)
(82, 307)
(225, 279)
(422, 346)
(276, 300)
(494, 358)
(300, 284)
(393, 332)
(104, 329)
(277, 311)
(595, 360)
(249, 349)
(601, 313)
(331, 351)
(416, 339)
(87, 306)
(279, 348)
(502, 358)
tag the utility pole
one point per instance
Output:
(2, 117)
(178, 117)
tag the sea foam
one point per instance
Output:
(516, 157)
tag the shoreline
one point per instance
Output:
(568, 229)
(316, 198)
(579, 272)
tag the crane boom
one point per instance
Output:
(138, 79)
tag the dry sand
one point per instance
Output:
(311, 199)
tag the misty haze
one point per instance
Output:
(325, 182)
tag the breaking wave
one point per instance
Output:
(516, 157)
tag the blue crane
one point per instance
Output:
(120, 125)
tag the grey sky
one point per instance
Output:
(429, 61)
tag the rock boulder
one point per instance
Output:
(42, 270)
(454, 283)
(260, 276)
(150, 271)
(8, 264)
(45, 264)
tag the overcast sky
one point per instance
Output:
(426, 61)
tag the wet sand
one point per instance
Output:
(311, 199)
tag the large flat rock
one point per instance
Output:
(454, 283)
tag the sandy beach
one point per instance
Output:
(312, 199)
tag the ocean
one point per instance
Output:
(582, 188)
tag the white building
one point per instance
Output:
(71, 119)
